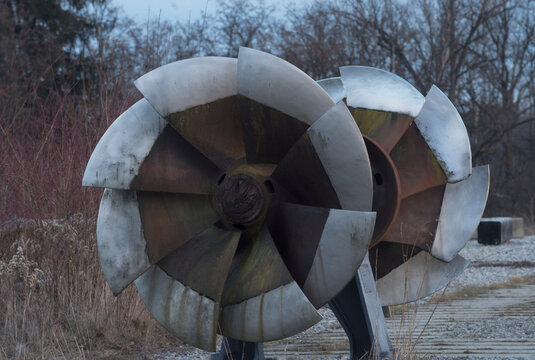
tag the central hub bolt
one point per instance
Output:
(240, 199)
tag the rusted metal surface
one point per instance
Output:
(214, 129)
(386, 128)
(416, 223)
(386, 256)
(301, 175)
(169, 220)
(269, 133)
(240, 199)
(174, 165)
(386, 189)
(203, 262)
(417, 167)
(257, 268)
(296, 230)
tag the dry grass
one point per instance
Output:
(473, 291)
(54, 301)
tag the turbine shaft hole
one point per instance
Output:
(269, 186)
(378, 179)
(239, 226)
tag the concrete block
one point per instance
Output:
(518, 227)
(495, 231)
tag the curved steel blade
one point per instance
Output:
(180, 310)
(417, 167)
(188, 83)
(174, 165)
(273, 315)
(334, 87)
(204, 261)
(117, 157)
(341, 149)
(276, 83)
(420, 276)
(462, 208)
(443, 129)
(256, 268)
(120, 241)
(376, 89)
(344, 243)
(169, 220)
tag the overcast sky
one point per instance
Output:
(177, 9)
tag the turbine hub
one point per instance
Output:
(240, 199)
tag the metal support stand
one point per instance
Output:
(236, 349)
(359, 304)
(358, 309)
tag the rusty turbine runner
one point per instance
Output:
(427, 197)
(238, 197)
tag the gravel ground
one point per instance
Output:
(489, 265)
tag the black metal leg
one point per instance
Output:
(236, 349)
(359, 311)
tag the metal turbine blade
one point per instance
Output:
(343, 244)
(174, 165)
(188, 83)
(169, 220)
(334, 87)
(462, 208)
(120, 240)
(116, 159)
(443, 129)
(376, 89)
(204, 261)
(418, 277)
(179, 309)
(341, 149)
(260, 301)
(276, 83)
(276, 314)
